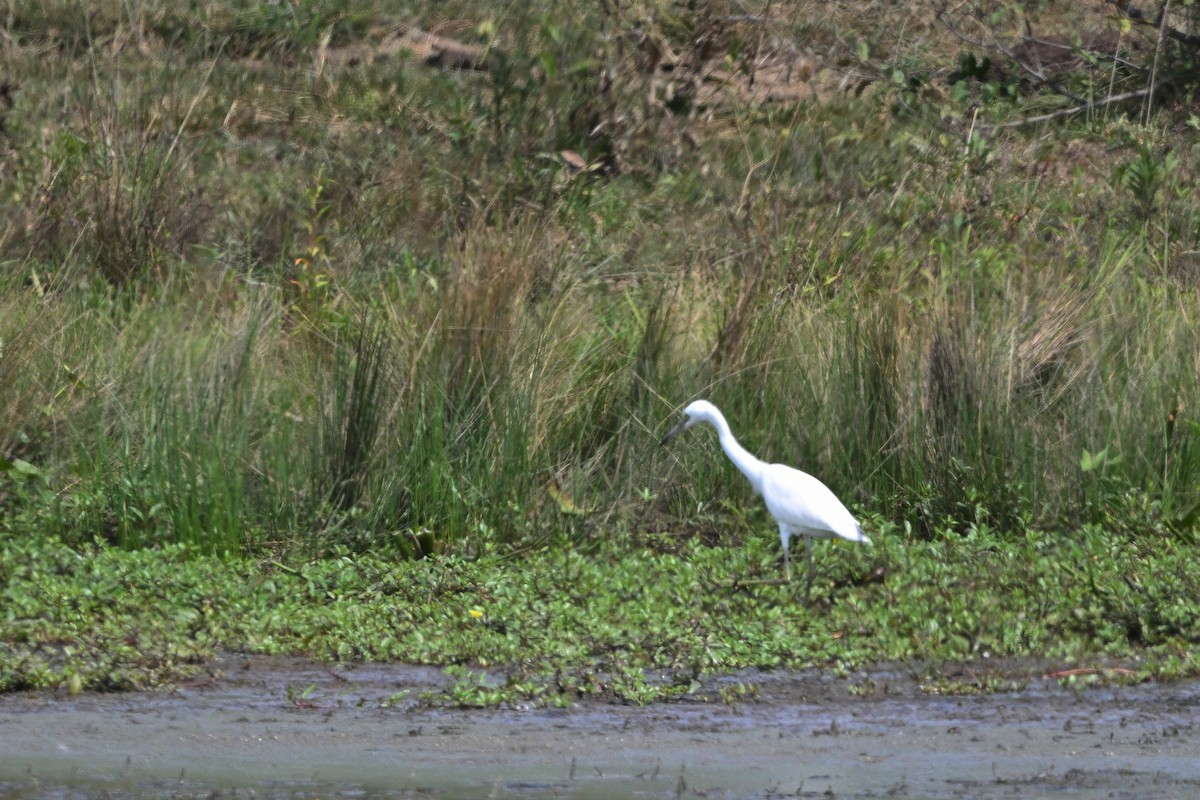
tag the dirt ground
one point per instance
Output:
(288, 728)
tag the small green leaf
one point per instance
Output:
(1092, 461)
(19, 466)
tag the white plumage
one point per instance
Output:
(801, 504)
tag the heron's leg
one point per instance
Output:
(785, 539)
(808, 549)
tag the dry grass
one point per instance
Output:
(938, 325)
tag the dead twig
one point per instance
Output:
(1158, 21)
(1162, 27)
(1066, 112)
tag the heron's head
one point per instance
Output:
(698, 411)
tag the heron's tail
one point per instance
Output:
(862, 537)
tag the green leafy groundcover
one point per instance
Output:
(631, 619)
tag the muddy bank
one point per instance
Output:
(284, 728)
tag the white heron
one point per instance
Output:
(801, 504)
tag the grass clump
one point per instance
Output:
(285, 287)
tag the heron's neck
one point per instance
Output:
(750, 466)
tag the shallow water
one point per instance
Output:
(362, 733)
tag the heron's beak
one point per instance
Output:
(674, 431)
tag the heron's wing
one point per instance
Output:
(802, 502)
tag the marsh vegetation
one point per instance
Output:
(290, 308)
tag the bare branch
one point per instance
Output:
(1162, 27)
(1157, 21)
(1038, 75)
(1030, 53)
(1066, 112)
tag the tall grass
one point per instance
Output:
(440, 338)
(449, 417)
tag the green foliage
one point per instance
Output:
(1144, 177)
(630, 622)
(272, 290)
